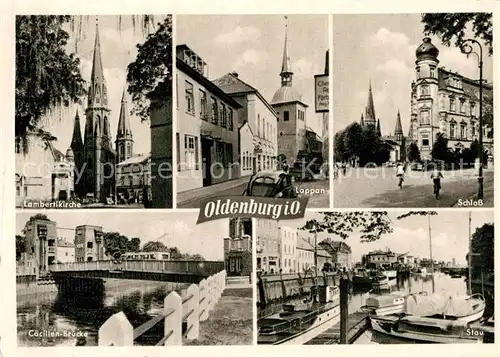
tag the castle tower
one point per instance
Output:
(98, 153)
(124, 140)
(425, 116)
(287, 102)
(370, 118)
(398, 130)
(77, 149)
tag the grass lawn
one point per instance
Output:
(230, 323)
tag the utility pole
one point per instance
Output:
(430, 251)
(470, 256)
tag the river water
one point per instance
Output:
(415, 284)
(75, 316)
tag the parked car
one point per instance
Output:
(271, 184)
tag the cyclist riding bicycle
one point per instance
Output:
(400, 172)
(436, 177)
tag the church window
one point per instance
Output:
(189, 152)
(215, 118)
(120, 150)
(286, 115)
(452, 105)
(189, 97)
(97, 93)
(105, 126)
(452, 130)
(203, 105)
(223, 116)
(129, 149)
(432, 70)
(230, 124)
(424, 117)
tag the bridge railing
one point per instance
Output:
(195, 267)
(195, 307)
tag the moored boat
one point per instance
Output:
(380, 281)
(381, 305)
(299, 323)
(390, 274)
(433, 318)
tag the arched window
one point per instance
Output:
(129, 149)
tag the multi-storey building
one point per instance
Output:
(133, 178)
(89, 244)
(238, 247)
(446, 102)
(207, 131)
(267, 246)
(41, 243)
(257, 116)
(380, 258)
(340, 253)
(65, 251)
(287, 248)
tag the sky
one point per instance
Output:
(118, 49)
(174, 229)
(449, 230)
(252, 45)
(382, 48)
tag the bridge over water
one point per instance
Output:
(83, 276)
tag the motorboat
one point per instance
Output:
(380, 281)
(300, 322)
(361, 277)
(381, 305)
(390, 274)
(435, 318)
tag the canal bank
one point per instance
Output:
(78, 318)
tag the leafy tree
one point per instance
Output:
(150, 75)
(451, 27)
(440, 148)
(413, 152)
(188, 256)
(115, 244)
(20, 246)
(46, 76)
(371, 225)
(40, 217)
(483, 248)
(353, 140)
(339, 147)
(154, 247)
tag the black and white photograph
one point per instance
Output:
(414, 116)
(91, 93)
(102, 279)
(369, 277)
(248, 120)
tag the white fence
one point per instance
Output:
(195, 307)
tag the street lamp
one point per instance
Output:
(466, 47)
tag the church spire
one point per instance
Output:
(124, 139)
(379, 132)
(76, 141)
(286, 68)
(398, 131)
(370, 107)
(97, 91)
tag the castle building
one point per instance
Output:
(291, 110)
(446, 102)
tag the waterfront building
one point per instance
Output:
(41, 243)
(207, 130)
(89, 244)
(304, 256)
(287, 249)
(259, 151)
(238, 247)
(446, 102)
(380, 259)
(340, 253)
(65, 251)
(267, 246)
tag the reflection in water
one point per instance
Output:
(71, 313)
(416, 284)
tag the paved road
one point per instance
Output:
(377, 187)
(318, 192)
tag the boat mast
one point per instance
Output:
(470, 257)
(430, 251)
